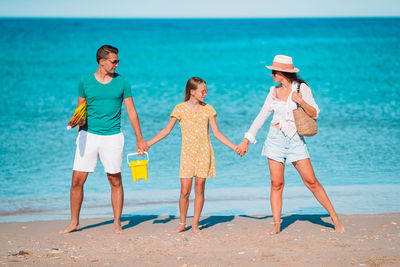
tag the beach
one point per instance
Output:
(305, 240)
(354, 155)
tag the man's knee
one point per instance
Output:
(115, 180)
(78, 179)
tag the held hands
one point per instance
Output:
(142, 146)
(243, 147)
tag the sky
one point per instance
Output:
(199, 8)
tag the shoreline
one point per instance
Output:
(219, 201)
(369, 240)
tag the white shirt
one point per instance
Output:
(283, 112)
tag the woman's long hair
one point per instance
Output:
(192, 84)
(291, 76)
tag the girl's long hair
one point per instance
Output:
(192, 84)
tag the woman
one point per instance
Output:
(283, 143)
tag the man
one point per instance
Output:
(101, 136)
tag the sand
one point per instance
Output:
(306, 240)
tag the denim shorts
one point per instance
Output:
(281, 148)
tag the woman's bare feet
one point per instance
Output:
(71, 228)
(339, 228)
(181, 228)
(275, 229)
(118, 228)
(196, 229)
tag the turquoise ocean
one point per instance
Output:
(351, 64)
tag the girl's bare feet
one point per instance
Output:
(196, 229)
(181, 228)
(275, 229)
(71, 228)
(339, 228)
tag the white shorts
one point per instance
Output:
(89, 147)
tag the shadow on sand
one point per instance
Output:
(132, 221)
(211, 221)
(291, 219)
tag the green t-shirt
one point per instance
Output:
(104, 102)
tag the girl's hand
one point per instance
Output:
(243, 147)
(141, 146)
(237, 150)
(148, 145)
(297, 97)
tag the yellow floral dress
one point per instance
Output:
(197, 155)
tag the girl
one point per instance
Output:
(197, 155)
(283, 143)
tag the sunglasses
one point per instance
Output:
(114, 62)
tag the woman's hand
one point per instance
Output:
(238, 150)
(243, 147)
(297, 97)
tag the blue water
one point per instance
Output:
(352, 66)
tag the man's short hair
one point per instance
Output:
(104, 51)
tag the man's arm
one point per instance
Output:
(141, 145)
(83, 120)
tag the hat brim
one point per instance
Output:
(294, 70)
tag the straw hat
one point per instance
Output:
(283, 63)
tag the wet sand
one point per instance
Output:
(305, 240)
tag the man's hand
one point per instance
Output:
(141, 146)
(243, 147)
(82, 121)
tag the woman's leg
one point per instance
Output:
(306, 172)
(199, 186)
(186, 186)
(276, 170)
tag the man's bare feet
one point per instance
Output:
(117, 228)
(276, 229)
(196, 229)
(181, 228)
(71, 228)
(339, 228)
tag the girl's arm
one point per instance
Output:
(222, 138)
(163, 133)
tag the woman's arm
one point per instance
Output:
(163, 133)
(259, 121)
(222, 138)
(306, 100)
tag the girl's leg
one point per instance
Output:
(199, 186)
(186, 186)
(306, 172)
(276, 170)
